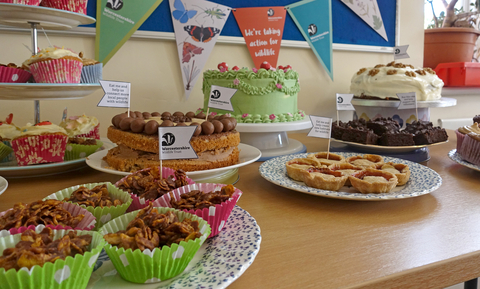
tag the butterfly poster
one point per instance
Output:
(197, 25)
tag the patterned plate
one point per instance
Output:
(454, 156)
(219, 262)
(423, 180)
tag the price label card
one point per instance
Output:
(400, 52)
(321, 126)
(407, 100)
(220, 97)
(344, 102)
(117, 94)
(174, 142)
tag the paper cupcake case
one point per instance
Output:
(5, 151)
(94, 133)
(157, 265)
(460, 137)
(73, 272)
(140, 203)
(23, 2)
(92, 73)
(470, 150)
(87, 223)
(102, 215)
(78, 151)
(57, 71)
(77, 6)
(11, 74)
(11, 156)
(216, 216)
(39, 149)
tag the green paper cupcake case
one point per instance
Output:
(78, 151)
(160, 264)
(105, 214)
(73, 272)
(5, 152)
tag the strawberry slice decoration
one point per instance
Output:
(9, 119)
(222, 66)
(236, 68)
(43, 123)
(265, 65)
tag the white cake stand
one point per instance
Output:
(271, 138)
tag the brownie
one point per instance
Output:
(396, 138)
(381, 125)
(338, 129)
(360, 135)
(476, 118)
(425, 133)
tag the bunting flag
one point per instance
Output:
(369, 12)
(117, 20)
(314, 19)
(262, 28)
(197, 25)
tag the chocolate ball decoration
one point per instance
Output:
(178, 113)
(200, 115)
(151, 127)
(218, 126)
(116, 119)
(146, 115)
(227, 124)
(125, 123)
(207, 128)
(156, 114)
(190, 114)
(166, 123)
(137, 125)
(198, 131)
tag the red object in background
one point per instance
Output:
(459, 73)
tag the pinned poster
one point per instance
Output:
(117, 94)
(197, 25)
(262, 28)
(370, 13)
(174, 142)
(314, 20)
(117, 20)
(400, 52)
(220, 97)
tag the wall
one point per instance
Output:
(152, 68)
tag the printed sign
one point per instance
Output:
(174, 142)
(400, 52)
(262, 28)
(344, 102)
(220, 97)
(321, 126)
(407, 100)
(117, 94)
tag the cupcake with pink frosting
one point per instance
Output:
(82, 126)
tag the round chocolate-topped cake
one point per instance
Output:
(215, 141)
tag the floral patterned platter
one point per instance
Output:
(454, 156)
(423, 180)
(219, 262)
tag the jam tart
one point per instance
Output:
(326, 158)
(346, 169)
(324, 179)
(373, 181)
(366, 161)
(401, 171)
(296, 167)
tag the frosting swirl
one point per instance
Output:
(50, 53)
(469, 128)
(75, 125)
(50, 128)
(8, 131)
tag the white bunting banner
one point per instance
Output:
(117, 94)
(400, 52)
(344, 101)
(220, 97)
(370, 13)
(174, 142)
(197, 25)
(407, 100)
(321, 126)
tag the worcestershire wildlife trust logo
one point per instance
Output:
(215, 94)
(397, 51)
(168, 139)
(115, 4)
(340, 99)
(270, 12)
(312, 29)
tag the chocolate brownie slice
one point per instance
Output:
(425, 133)
(396, 138)
(360, 135)
(381, 125)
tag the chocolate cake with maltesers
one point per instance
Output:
(215, 141)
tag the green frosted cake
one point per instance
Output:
(266, 95)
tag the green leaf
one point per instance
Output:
(377, 23)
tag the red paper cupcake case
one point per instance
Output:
(94, 133)
(23, 2)
(57, 71)
(140, 203)
(216, 216)
(39, 149)
(87, 223)
(13, 75)
(77, 6)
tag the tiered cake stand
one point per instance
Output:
(271, 138)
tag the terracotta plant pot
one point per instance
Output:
(449, 44)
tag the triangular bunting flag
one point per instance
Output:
(117, 20)
(262, 28)
(314, 19)
(370, 13)
(197, 25)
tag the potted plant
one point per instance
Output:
(453, 36)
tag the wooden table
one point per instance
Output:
(431, 241)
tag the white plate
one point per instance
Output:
(46, 91)
(248, 154)
(423, 180)
(3, 185)
(49, 18)
(386, 149)
(13, 170)
(454, 156)
(219, 262)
